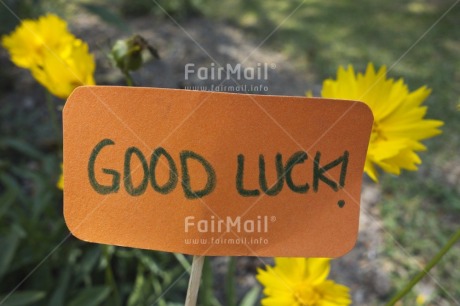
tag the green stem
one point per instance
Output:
(52, 114)
(206, 294)
(183, 261)
(109, 278)
(427, 269)
(230, 291)
(128, 78)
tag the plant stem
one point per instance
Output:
(128, 78)
(425, 270)
(230, 282)
(52, 114)
(206, 295)
(109, 278)
(182, 260)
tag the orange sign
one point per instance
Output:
(214, 173)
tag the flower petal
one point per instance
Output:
(317, 269)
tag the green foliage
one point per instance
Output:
(40, 262)
(12, 11)
(251, 297)
(206, 293)
(22, 298)
(23, 8)
(230, 284)
(91, 296)
(418, 222)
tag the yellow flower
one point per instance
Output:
(57, 59)
(60, 75)
(398, 117)
(421, 299)
(32, 39)
(60, 183)
(301, 282)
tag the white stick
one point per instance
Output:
(194, 282)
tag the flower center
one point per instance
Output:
(306, 295)
(377, 133)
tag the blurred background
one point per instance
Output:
(404, 221)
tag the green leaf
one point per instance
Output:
(90, 259)
(91, 296)
(8, 245)
(9, 195)
(183, 261)
(149, 263)
(21, 298)
(6, 200)
(21, 147)
(107, 16)
(251, 297)
(138, 293)
(58, 297)
(230, 283)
